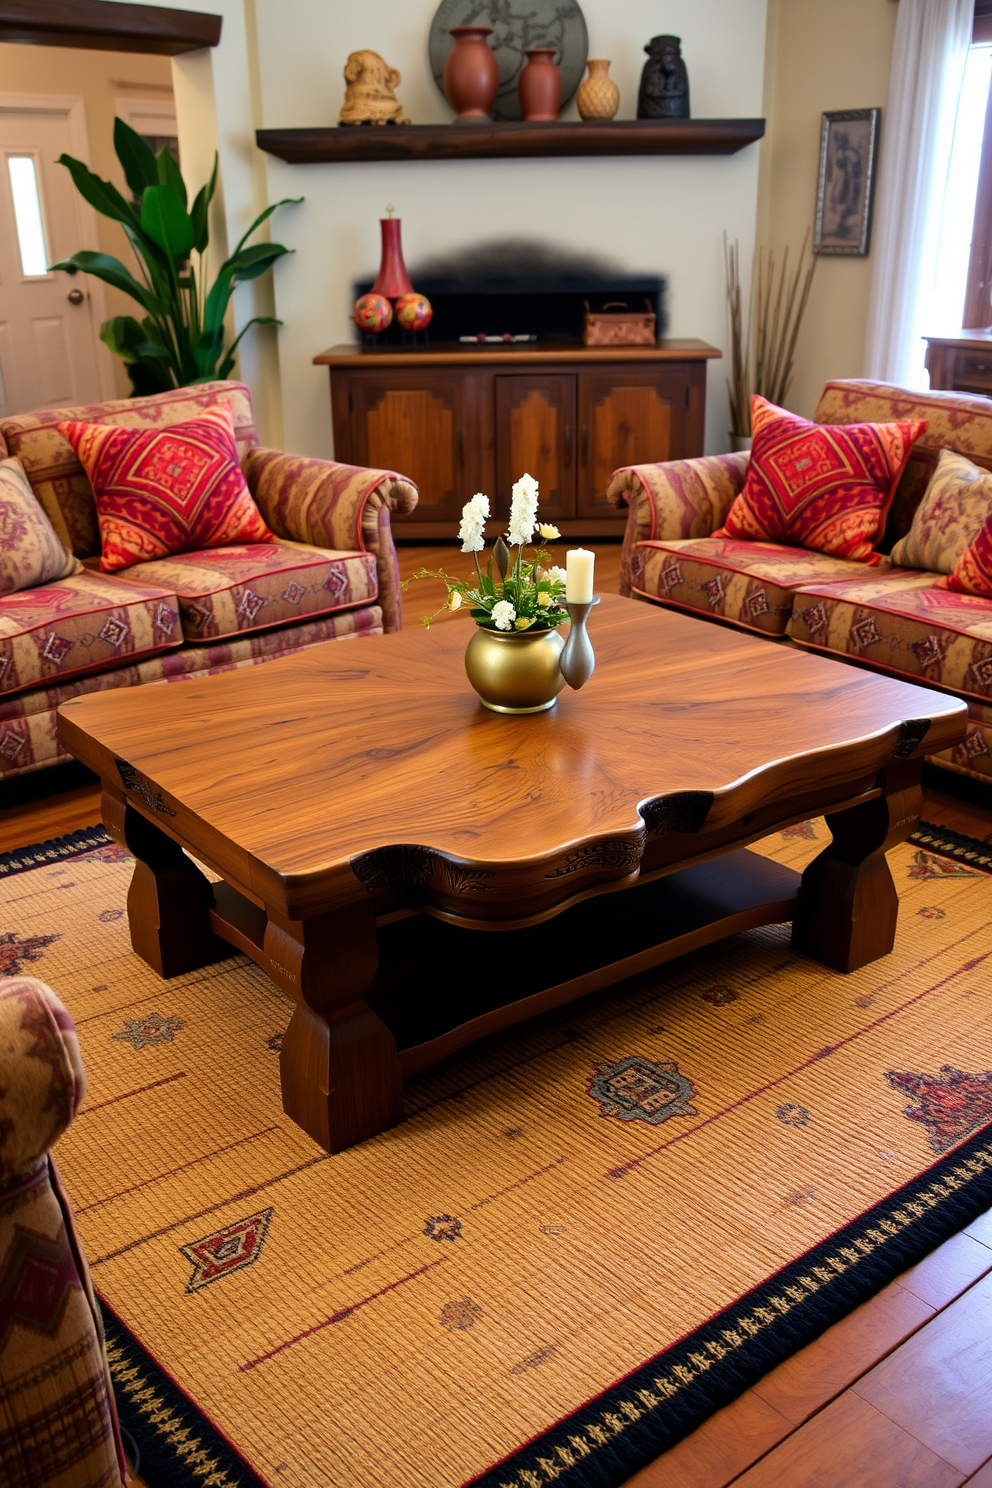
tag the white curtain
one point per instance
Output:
(932, 42)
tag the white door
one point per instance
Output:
(49, 352)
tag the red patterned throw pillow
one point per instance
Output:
(972, 574)
(822, 486)
(169, 490)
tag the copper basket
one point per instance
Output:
(617, 325)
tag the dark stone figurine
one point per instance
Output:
(664, 91)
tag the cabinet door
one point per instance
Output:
(535, 432)
(627, 416)
(428, 425)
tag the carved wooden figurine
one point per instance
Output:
(369, 97)
(664, 91)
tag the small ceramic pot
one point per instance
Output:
(515, 671)
(471, 73)
(539, 86)
(599, 96)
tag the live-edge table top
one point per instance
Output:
(314, 779)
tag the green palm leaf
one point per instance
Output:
(166, 221)
(135, 156)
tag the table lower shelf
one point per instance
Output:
(439, 987)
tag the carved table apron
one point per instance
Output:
(373, 825)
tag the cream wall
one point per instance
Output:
(821, 55)
(657, 214)
(99, 78)
(279, 64)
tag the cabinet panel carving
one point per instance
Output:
(535, 432)
(626, 419)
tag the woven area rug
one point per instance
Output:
(589, 1232)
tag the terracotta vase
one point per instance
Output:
(471, 73)
(539, 86)
(393, 279)
(599, 96)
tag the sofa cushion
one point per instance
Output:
(958, 421)
(902, 622)
(59, 480)
(28, 724)
(819, 486)
(84, 623)
(751, 583)
(164, 491)
(230, 591)
(972, 574)
(30, 552)
(949, 518)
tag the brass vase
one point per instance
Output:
(515, 671)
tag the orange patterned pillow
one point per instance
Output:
(972, 574)
(822, 486)
(171, 490)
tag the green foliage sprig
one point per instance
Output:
(180, 340)
(514, 593)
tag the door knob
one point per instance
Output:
(75, 297)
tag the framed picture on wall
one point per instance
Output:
(846, 186)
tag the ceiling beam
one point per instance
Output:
(105, 26)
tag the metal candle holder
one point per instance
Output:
(578, 660)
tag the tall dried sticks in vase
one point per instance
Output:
(763, 346)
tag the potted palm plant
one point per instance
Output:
(180, 338)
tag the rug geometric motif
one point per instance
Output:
(228, 1250)
(951, 1104)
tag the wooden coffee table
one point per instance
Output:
(374, 825)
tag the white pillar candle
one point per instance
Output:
(579, 565)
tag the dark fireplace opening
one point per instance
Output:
(526, 291)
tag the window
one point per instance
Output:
(27, 215)
(977, 299)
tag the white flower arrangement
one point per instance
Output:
(513, 593)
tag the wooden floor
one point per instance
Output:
(896, 1395)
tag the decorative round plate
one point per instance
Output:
(517, 26)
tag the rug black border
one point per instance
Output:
(40, 854)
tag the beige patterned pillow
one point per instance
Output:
(30, 553)
(949, 518)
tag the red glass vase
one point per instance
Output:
(393, 279)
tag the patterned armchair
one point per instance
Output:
(889, 617)
(331, 575)
(58, 1424)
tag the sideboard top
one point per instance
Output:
(452, 353)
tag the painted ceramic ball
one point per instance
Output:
(413, 312)
(373, 313)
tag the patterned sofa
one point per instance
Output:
(58, 1424)
(892, 619)
(331, 575)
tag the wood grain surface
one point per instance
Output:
(482, 139)
(347, 769)
(443, 353)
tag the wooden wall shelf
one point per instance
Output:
(100, 25)
(501, 140)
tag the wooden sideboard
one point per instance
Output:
(458, 419)
(961, 363)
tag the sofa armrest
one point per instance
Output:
(343, 507)
(677, 499)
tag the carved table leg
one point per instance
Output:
(169, 901)
(340, 1072)
(849, 905)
